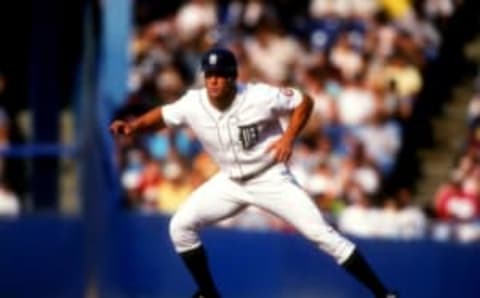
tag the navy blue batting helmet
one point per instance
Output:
(220, 61)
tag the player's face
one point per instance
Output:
(219, 87)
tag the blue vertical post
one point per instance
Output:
(103, 87)
(114, 63)
(45, 98)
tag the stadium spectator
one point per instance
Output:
(404, 75)
(325, 113)
(396, 219)
(412, 219)
(195, 18)
(382, 140)
(272, 53)
(358, 173)
(175, 187)
(358, 218)
(149, 181)
(346, 58)
(387, 220)
(133, 164)
(356, 103)
(453, 203)
(323, 187)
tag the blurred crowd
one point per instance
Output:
(458, 200)
(362, 61)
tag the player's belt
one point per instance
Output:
(256, 173)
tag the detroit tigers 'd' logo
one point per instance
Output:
(248, 136)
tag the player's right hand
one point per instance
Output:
(120, 127)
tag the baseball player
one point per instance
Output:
(240, 126)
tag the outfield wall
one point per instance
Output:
(44, 256)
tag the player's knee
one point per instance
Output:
(182, 232)
(176, 227)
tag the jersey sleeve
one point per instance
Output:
(175, 114)
(285, 99)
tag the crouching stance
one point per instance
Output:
(240, 126)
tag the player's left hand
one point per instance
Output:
(281, 149)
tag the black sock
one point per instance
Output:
(196, 262)
(359, 268)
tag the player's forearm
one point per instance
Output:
(152, 120)
(299, 118)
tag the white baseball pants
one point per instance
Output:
(274, 191)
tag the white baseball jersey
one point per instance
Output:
(237, 138)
